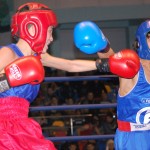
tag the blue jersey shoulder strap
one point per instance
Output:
(15, 49)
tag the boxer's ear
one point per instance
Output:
(148, 39)
(148, 35)
(136, 44)
(31, 29)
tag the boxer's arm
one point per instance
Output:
(89, 39)
(67, 65)
(105, 55)
(125, 64)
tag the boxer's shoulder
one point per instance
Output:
(5, 50)
(7, 55)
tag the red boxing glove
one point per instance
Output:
(24, 70)
(125, 63)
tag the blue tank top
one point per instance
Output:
(135, 106)
(27, 91)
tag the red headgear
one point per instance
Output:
(38, 15)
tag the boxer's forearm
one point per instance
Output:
(107, 54)
(68, 65)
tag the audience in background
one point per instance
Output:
(87, 121)
(90, 146)
(70, 146)
(109, 124)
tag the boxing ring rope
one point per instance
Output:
(74, 107)
(79, 78)
(78, 138)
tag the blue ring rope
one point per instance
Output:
(78, 138)
(79, 78)
(73, 107)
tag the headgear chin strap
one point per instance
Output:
(143, 49)
(38, 15)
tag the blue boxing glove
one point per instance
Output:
(89, 38)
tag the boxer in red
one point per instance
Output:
(22, 72)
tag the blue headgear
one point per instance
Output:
(142, 46)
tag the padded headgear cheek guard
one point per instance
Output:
(40, 18)
(141, 37)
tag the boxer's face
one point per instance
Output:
(148, 39)
(49, 39)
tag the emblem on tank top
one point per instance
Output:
(145, 100)
(143, 116)
(15, 72)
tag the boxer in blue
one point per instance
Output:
(133, 101)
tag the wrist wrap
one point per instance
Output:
(4, 85)
(102, 65)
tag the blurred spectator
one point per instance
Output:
(86, 129)
(69, 101)
(67, 90)
(104, 100)
(112, 92)
(53, 101)
(49, 95)
(110, 145)
(97, 87)
(90, 146)
(56, 89)
(41, 119)
(70, 146)
(59, 128)
(91, 126)
(83, 88)
(109, 123)
(73, 146)
(98, 128)
(90, 99)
